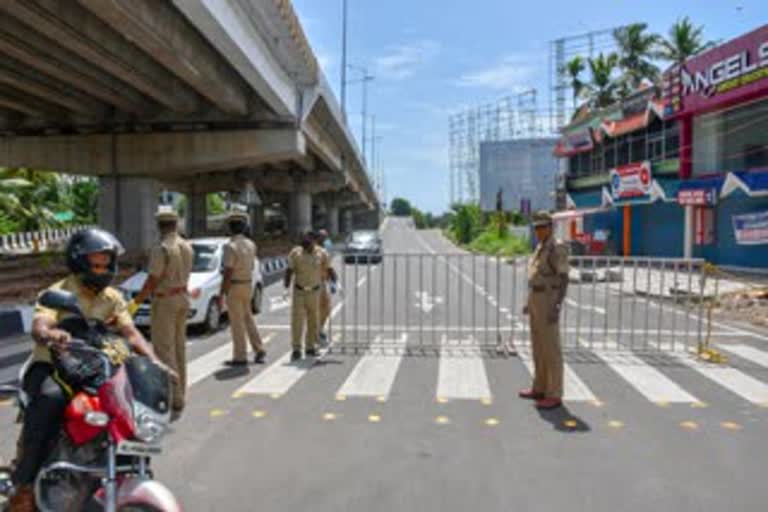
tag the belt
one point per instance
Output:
(309, 289)
(172, 292)
(542, 287)
(240, 281)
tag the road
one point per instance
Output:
(418, 412)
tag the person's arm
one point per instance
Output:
(154, 276)
(287, 278)
(148, 289)
(139, 344)
(226, 282)
(44, 330)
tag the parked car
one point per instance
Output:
(204, 286)
(363, 246)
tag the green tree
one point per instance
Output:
(601, 89)
(573, 69)
(684, 41)
(30, 198)
(636, 48)
(215, 204)
(84, 194)
(400, 207)
(467, 222)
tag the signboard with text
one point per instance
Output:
(751, 228)
(697, 197)
(722, 75)
(632, 180)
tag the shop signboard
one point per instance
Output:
(731, 71)
(632, 180)
(751, 228)
(697, 197)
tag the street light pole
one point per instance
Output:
(344, 60)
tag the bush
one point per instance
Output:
(489, 242)
(467, 223)
(400, 207)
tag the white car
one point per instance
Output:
(204, 286)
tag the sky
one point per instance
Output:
(432, 58)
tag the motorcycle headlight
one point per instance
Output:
(151, 425)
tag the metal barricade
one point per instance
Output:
(471, 300)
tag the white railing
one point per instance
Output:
(37, 241)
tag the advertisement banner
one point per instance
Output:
(751, 228)
(697, 197)
(632, 180)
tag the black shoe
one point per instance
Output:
(311, 352)
(260, 356)
(235, 363)
(295, 355)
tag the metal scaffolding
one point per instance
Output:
(560, 52)
(511, 117)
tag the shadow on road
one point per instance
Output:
(231, 373)
(564, 421)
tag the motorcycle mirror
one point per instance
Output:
(60, 300)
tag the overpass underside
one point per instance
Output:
(154, 95)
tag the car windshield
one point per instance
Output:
(363, 237)
(205, 258)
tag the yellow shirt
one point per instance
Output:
(103, 306)
(170, 263)
(309, 269)
(240, 256)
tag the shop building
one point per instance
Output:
(678, 171)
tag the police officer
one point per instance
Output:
(548, 282)
(237, 287)
(91, 257)
(170, 263)
(309, 267)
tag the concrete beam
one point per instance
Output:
(235, 36)
(159, 155)
(43, 55)
(76, 29)
(13, 73)
(159, 30)
(263, 180)
(16, 100)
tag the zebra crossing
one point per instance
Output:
(462, 373)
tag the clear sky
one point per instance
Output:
(433, 57)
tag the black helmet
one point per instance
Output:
(91, 241)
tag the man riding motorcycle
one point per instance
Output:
(91, 257)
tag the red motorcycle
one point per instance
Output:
(118, 414)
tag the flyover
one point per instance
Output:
(193, 96)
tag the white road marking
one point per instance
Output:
(278, 378)
(574, 304)
(647, 380)
(461, 374)
(278, 303)
(205, 365)
(737, 382)
(375, 373)
(749, 353)
(574, 389)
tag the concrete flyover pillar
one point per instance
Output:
(347, 222)
(197, 215)
(332, 217)
(299, 212)
(258, 221)
(127, 207)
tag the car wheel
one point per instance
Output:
(258, 295)
(213, 316)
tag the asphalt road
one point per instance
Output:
(413, 409)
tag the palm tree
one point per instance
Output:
(601, 89)
(635, 51)
(29, 198)
(573, 69)
(684, 41)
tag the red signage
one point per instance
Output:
(697, 197)
(632, 180)
(721, 76)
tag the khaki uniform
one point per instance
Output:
(310, 270)
(548, 263)
(170, 263)
(240, 256)
(107, 305)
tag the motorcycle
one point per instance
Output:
(118, 413)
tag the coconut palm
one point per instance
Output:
(636, 48)
(573, 69)
(684, 41)
(603, 86)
